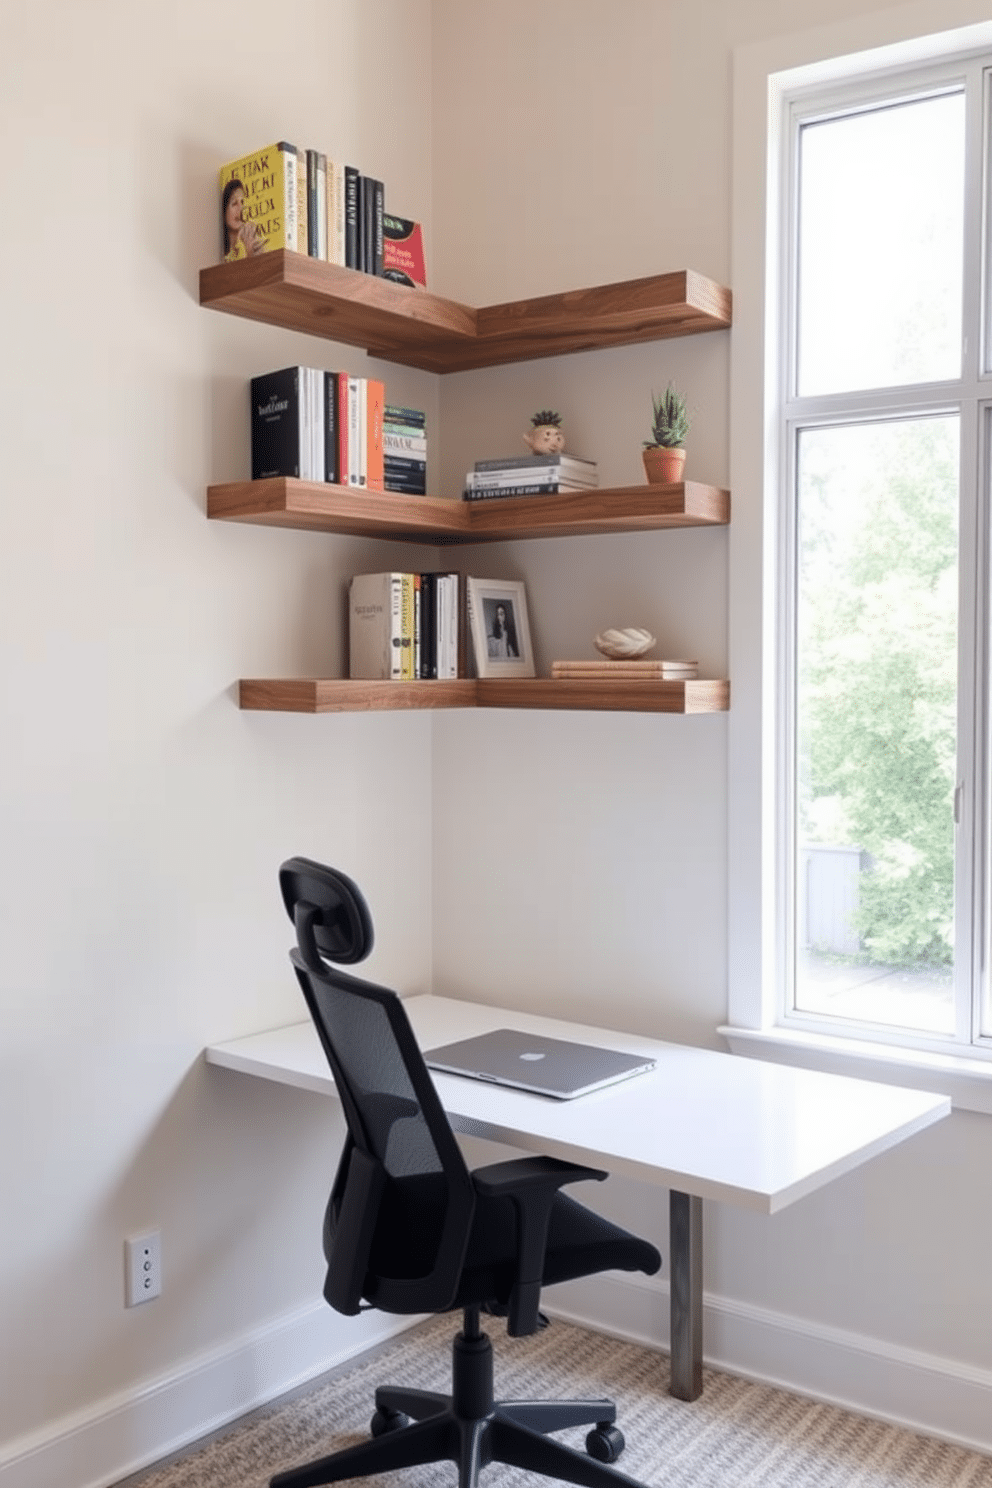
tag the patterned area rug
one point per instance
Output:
(737, 1435)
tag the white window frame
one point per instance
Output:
(768, 76)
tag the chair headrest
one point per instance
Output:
(329, 912)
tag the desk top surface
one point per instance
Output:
(715, 1125)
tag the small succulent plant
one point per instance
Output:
(546, 416)
(671, 420)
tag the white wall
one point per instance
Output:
(142, 816)
(581, 860)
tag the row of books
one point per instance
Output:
(403, 627)
(284, 197)
(331, 426)
(529, 475)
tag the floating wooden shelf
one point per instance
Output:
(333, 695)
(284, 502)
(419, 329)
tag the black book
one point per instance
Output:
(378, 213)
(428, 626)
(276, 424)
(331, 468)
(313, 227)
(400, 465)
(351, 218)
(366, 219)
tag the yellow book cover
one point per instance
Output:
(259, 203)
(406, 618)
(302, 241)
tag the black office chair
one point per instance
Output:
(410, 1229)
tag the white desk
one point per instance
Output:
(701, 1124)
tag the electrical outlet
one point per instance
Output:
(142, 1268)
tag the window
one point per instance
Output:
(882, 843)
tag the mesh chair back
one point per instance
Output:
(401, 1207)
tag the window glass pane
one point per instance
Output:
(876, 701)
(881, 212)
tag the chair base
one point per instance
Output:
(470, 1428)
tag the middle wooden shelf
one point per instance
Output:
(320, 507)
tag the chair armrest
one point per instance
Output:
(530, 1183)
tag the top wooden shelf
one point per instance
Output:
(419, 329)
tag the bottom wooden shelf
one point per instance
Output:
(338, 695)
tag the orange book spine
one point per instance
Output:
(375, 460)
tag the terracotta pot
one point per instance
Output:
(663, 467)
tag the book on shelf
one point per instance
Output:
(410, 446)
(666, 671)
(302, 234)
(522, 488)
(580, 469)
(335, 211)
(374, 400)
(403, 251)
(403, 626)
(277, 424)
(259, 199)
(318, 426)
(316, 204)
(404, 420)
(404, 482)
(530, 476)
(375, 627)
(351, 217)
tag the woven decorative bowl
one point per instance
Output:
(624, 645)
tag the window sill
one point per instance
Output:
(968, 1081)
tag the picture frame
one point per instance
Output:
(500, 630)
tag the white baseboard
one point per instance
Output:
(124, 1433)
(939, 1397)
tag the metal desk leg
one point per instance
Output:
(685, 1237)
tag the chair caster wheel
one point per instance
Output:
(388, 1420)
(605, 1443)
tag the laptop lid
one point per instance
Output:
(544, 1066)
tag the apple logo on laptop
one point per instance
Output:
(532, 1056)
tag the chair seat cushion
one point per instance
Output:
(580, 1243)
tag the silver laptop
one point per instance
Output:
(544, 1066)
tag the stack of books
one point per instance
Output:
(318, 426)
(303, 200)
(530, 475)
(626, 671)
(404, 440)
(404, 627)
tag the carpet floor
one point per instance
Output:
(737, 1435)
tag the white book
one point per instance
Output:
(335, 212)
(528, 475)
(355, 431)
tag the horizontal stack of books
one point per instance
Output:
(303, 200)
(404, 440)
(404, 627)
(530, 475)
(318, 426)
(626, 671)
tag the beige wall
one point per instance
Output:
(570, 862)
(581, 861)
(142, 816)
